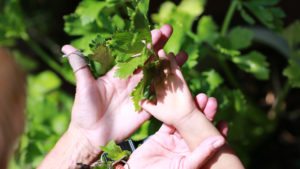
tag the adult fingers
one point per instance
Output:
(223, 128)
(203, 152)
(166, 32)
(78, 64)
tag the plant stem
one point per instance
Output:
(281, 97)
(224, 30)
(43, 55)
(47, 59)
(229, 16)
(228, 74)
(276, 108)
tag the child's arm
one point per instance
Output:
(175, 106)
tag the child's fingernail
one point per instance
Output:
(218, 143)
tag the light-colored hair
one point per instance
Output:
(12, 105)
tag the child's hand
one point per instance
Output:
(174, 102)
(175, 105)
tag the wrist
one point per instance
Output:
(85, 151)
(184, 121)
(72, 148)
(195, 128)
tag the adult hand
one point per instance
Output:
(103, 109)
(167, 149)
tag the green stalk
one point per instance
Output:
(281, 97)
(229, 16)
(224, 30)
(47, 59)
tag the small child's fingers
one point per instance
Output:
(162, 55)
(201, 101)
(181, 58)
(175, 69)
(203, 152)
(149, 107)
(210, 109)
(223, 128)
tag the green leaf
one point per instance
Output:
(114, 151)
(102, 54)
(207, 81)
(192, 7)
(292, 73)
(266, 13)
(138, 94)
(88, 10)
(12, 23)
(207, 29)
(165, 13)
(143, 6)
(240, 38)
(247, 17)
(292, 35)
(128, 42)
(227, 52)
(45, 82)
(254, 63)
(83, 42)
(126, 69)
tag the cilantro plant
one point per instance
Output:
(224, 62)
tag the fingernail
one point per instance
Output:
(218, 143)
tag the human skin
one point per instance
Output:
(167, 149)
(98, 112)
(174, 106)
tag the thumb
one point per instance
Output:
(78, 63)
(203, 152)
(149, 107)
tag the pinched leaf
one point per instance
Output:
(126, 69)
(114, 151)
(102, 54)
(240, 38)
(138, 94)
(128, 42)
(254, 63)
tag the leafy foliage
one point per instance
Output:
(116, 32)
(12, 25)
(293, 39)
(114, 151)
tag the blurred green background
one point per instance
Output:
(243, 52)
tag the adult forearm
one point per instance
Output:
(70, 150)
